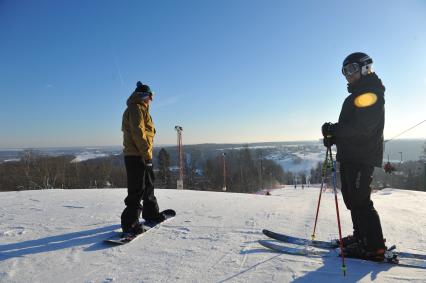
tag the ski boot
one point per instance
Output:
(358, 250)
(347, 241)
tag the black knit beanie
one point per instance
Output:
(140, 87)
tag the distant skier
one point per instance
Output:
(138, 139)
(359, 139)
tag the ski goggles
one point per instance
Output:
(145, 95)
(350, 69)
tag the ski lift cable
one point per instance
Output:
(406, 131)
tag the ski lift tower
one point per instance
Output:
(179, 182)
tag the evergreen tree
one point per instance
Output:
(212, 174)
(316, 174)
(249, 180)
(191, 167)
(163, 174)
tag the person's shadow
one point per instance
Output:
(59, 242)
(331, 269)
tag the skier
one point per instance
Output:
(358, 136)
(138, 138)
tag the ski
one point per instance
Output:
(310, 251)
(326, 245)
(299, 241)
(123, 238)
(304, 251)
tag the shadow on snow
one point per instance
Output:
(59, 242)
(330, 271)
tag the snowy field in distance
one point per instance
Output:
(84, 156)
(303, 163)
(56, 236)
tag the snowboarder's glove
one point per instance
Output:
(148, 163)
(150, 169)
(327, 130)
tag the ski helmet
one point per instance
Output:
(355, 62)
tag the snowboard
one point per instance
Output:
(310, 248)
(121, 238)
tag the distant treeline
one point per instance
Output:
(409, 175)
(244, 172)
(36, 171)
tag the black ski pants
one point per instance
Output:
(140, 187)
(356, 179)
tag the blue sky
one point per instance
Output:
(227, 71)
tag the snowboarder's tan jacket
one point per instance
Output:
(138, 128)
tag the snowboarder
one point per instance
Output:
(138, 138)
(358, 136)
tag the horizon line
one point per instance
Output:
(170, 145)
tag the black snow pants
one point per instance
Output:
(356, 179)
(140, 186)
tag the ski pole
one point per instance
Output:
(337, 212)
(324, 169)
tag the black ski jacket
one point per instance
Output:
(359, 132)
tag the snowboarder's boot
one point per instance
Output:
(155, 218)
(130, 219)
(134, 230)
(151, 212)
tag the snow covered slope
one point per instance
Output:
(56, 236)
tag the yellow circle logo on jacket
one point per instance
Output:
(365, 100)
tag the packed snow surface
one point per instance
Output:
(56, 236)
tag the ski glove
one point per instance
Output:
(327, 130)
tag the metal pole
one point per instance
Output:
(179, 130)
(424, 175)
(324, 170)
(180, 156)
(224, 171)
(261, 170)
(337, 212)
